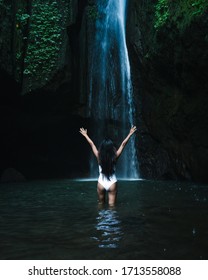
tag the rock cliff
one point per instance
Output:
(45, 80)
(169, 58)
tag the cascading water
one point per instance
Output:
(111, 105)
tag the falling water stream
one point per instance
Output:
(111, 105)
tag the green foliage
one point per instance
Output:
(44, 39)
(92, 12)
(180, 13)
(40, 34)
(161, 13)
(21, 18)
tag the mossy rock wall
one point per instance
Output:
(169, 52)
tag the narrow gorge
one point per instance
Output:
(51, 62)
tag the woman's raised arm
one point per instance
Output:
(94, 149)
(125, 141)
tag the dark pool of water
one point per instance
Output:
(61, 219)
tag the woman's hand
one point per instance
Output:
(132, 130)
(83, 131)
(94, 149)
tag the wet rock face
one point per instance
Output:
(170, 80)
(170, 76)
(12, 175)
(40, 131)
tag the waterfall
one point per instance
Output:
(111, 105)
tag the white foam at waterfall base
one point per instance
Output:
(95, 179)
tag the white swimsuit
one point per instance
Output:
(103, 180)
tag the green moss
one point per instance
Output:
(47, 23)
(161, 13)
(180, 13)
(21, 18)
(21, 21)
(92, 11)
(44, 39)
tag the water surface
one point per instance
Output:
(61, 219)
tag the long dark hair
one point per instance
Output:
(107, 157)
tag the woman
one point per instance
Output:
(107, 156)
